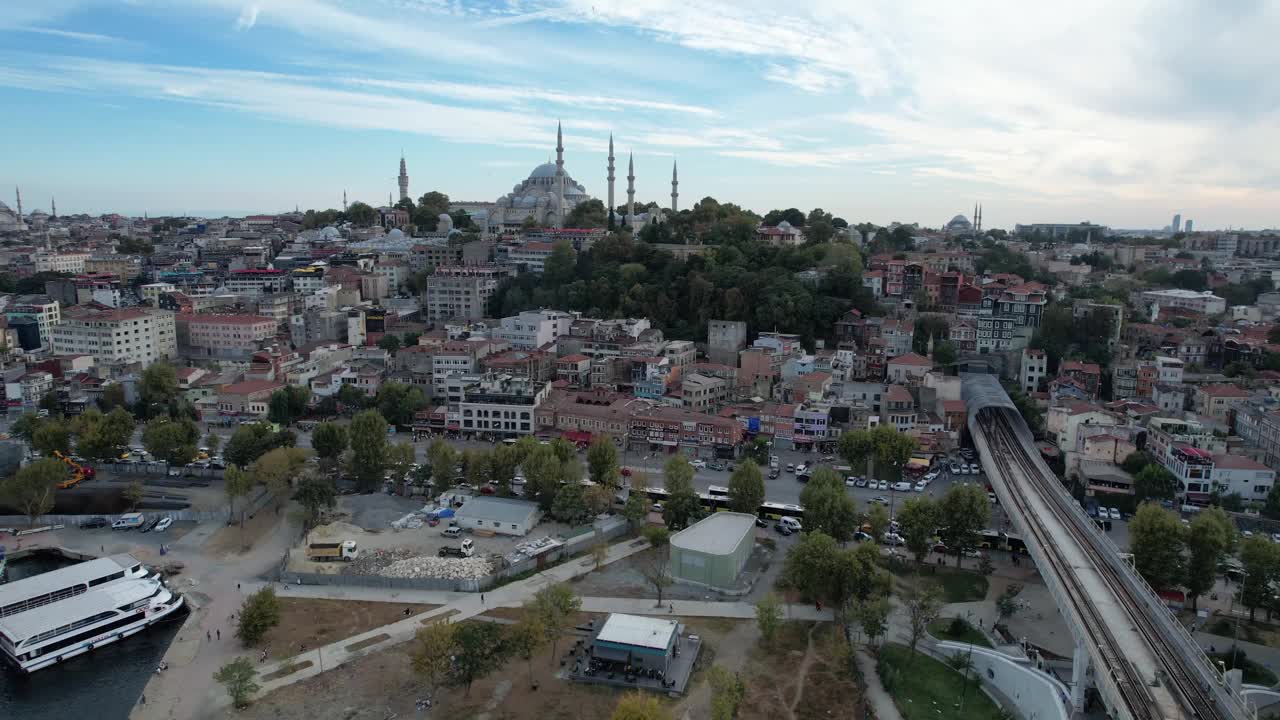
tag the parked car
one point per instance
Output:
(164, 524)
(902, 486)
(94, 522)
(717, 466)
(1115, 513)
(932, 475)
(851, 481)
(893, 539)
(921, 485)
(699, 464)
(883, 485)
(954, 469)
(656, 507)
(774, 474)
(974, 468)
(149, 525)
(993, 499)
(782, 529)
(791, 468)
(487, 490)
(761, 522)
(879, 499)
(862, 537)
(175, 472)
(862, 482)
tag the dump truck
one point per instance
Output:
(466, 550)
(345, 551)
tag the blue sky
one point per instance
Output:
(877, 111)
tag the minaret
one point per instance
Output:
(674, 183)
(54, 202)
(979, 218)
(559, 214)
(18, 191)
(344, 201)
(631, 186)
(404, 179)
(609, 208)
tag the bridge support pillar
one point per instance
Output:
(1081, 678)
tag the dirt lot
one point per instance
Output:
(802, 675)
(624, 579)
(381, 685)
(367, 520)
(233, 540)
(317, 622)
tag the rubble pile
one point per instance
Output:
(372, 562)
(412, 521)
(435, 567)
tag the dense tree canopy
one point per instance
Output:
(738, 279)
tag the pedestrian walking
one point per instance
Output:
(481, 598)
(143, 700)
(219, 631)
(208, 635)
(237, 587)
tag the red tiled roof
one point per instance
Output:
(1237, 462)
(912, 359)
(1224, 390)
(576, 357)
(251, 386)
(1084, 367)
(215, 319)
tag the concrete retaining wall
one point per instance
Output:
(1036, 694)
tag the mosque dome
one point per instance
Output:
(330, 233)
(395, 234)
(959, 220)
(784, 225)
(544, 170)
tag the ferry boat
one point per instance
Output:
(39, 631)
(67, 582)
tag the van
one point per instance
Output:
(790, 523)
(129, 521)
(452, 531)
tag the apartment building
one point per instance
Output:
(117, 336)
(44, 310)
(257, 281)
(125, 267)
(500, 404)
(1035, 366)
(1216, 401)
(462, 292)
(532, 329)
(70, 262)
(1205, 303)
(227, 336)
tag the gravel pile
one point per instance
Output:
(436, 567)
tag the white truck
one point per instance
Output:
(129, 521)
(466, 550)
(345, 551)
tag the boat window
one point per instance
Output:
(106, 578)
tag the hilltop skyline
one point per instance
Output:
(876, 113)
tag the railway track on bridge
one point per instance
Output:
(1181, 680)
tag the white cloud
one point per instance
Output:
(509, 93)
(68, 34)
(248, 18)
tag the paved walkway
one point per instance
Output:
(877, 696)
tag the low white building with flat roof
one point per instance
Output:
(504, 516)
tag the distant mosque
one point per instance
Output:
(960, 225)
(550, 194)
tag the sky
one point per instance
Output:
(906, 110)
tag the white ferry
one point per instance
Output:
(30, 593)
(53, 631)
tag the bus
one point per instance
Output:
(717, 499)
(717, 491)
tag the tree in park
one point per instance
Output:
(872, 616)
(212, 441)
(31, 491)
(400, 459)
(399, 402)
(1261, 561)
(554, 607)
(683, 507)
(430, 655)
(52, 436)
(636, 508)
(746, 488)
(727, 692)
(542, 472)
(173, 441)
(259, 613)
(329, 440)
(315, 494)
(602, 462)
(828, 508)
(1007, 603)
(158, 389)
(1134, 462)
(288, 404)
(855, 576)
(361, 213)
(239, 678)
(368, 449)
(637, 705)
(878, 519)
(503, 462)
(962, 514)
(768, 616)
(133, 494)
(277, 470)
(1211, 536)
(917, 521)
(570, 506)
(1156, 539)
(526, 638)
(923, 602)
(390, 343)
(236, 484)
(24, 428)
(479, 648)
(250, 442)
(655, 564)
(1154, 482)
(112, 397)
(442, 459)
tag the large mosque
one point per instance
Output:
(549, 194)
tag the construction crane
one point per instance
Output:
(79, 473)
